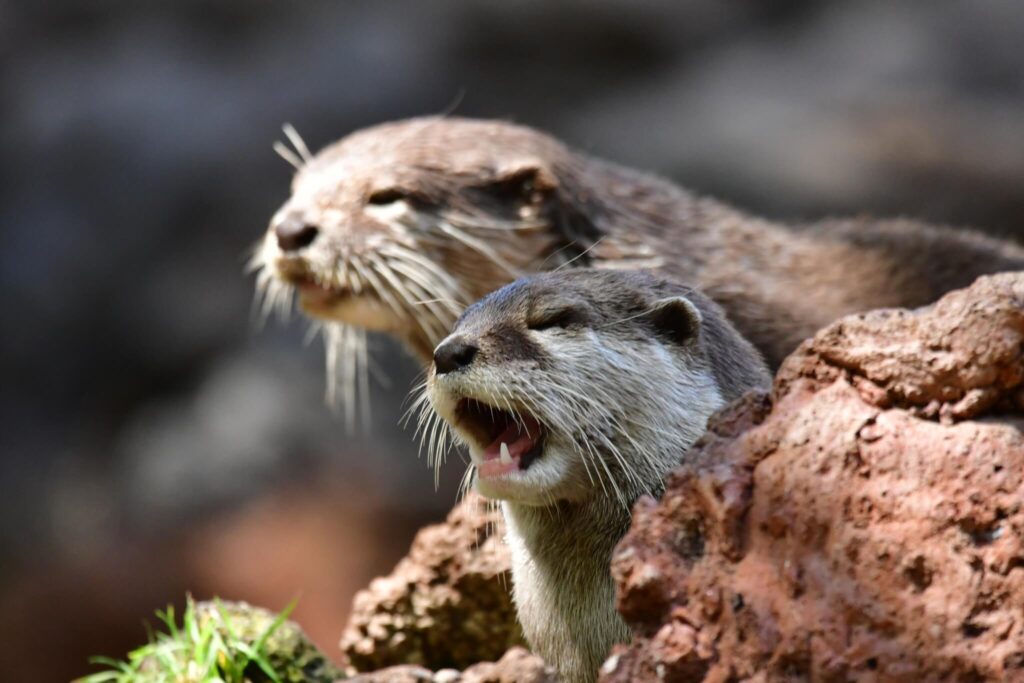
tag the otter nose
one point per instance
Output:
(453, 354)
(293, 233)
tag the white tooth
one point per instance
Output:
(505, 457)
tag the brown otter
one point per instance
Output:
(576, 392)
(398, 227)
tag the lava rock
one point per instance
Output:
(516, 666)
(863, 522)
(447, 605)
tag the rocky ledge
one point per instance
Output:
(447, 605)
(865, 521)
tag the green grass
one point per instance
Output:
(218, 643)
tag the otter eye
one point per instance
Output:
(389, 196)
(563, 319)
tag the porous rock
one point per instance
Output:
(446, 605)
(864, 522)
(516, 666)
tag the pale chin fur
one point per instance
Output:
(359, 310)
(542, 483)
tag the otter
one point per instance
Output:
(576, 392)
(398, 227)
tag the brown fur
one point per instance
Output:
(535, 205)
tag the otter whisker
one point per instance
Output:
(276, 297)
(362, 366)
(438, 449)
(297, 141)
(427, 288)
(367, 273)
(428, 327)
(352, 271)
(479, 247)
(414, 402)
(423, 424)
(288, 155)
(556, 253)
(313, 330)
(579, 417)
(259, 296)
(345, 358)
(427, 302)
(466, 482)
(580, 255)
(480, 221)
(340, 272)
(432, 328)
(597, 414)
(256, 260)
(602, 415)
(445, 281)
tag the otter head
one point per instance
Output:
(398, 227)
(579, 383)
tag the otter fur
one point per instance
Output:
(398, 227)
(576, 392)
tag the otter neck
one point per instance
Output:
(562, 582)
(644, 221)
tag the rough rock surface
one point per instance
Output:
(447, 605)
(864, 522)
(517, 666)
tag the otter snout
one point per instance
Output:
(454, 354)
(294, 233)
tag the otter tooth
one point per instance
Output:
(505, 457)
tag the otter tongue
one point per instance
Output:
(515, 438)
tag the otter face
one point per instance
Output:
(574, 384)
(397, 228)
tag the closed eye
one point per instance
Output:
(564, 319)
(383, 197)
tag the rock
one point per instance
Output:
(864, 522)
(516, 666)
(446, 605)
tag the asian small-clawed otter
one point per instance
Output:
(576, 392)
(398, 227)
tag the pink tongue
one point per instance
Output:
(518, 440)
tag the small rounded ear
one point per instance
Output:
(524, 179)
(676, 318)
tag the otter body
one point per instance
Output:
(576, 392)
(398, 227)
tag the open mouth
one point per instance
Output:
(311, 290)
(510, 443)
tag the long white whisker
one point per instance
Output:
(479, 247)
(580, 255)
(297, 142)
(288, 155)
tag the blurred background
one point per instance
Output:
(155, 441)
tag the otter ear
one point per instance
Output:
(526, 180)
(676, 318)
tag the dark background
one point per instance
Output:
(154, 441)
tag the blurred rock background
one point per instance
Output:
(154, 441)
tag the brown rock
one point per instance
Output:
(446, 605)
(864, 523)
(517, 666)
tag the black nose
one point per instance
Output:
(453, 354)
(293, 233)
